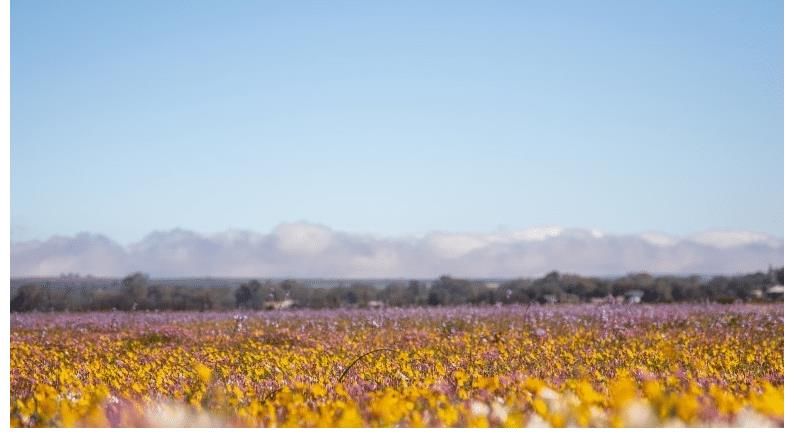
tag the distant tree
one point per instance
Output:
(450, 291)
(686, 288)
(394, 294)
(249, 295)
(662, 291)
(287, 285)
(299, 293)
(318, 298)
(434, 298)
(200, 300)
(362, 293)
(160, 297)
(548, 285)
(415, 292)
(351, 298)
(28, 297)
(134, 290)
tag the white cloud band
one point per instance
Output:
(309, 250)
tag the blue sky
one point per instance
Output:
(396, 118)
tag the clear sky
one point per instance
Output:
(398, 118)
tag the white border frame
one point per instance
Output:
(349, 437)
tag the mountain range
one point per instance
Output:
(302, 249)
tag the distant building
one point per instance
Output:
(375, 304)
(278, 304)
(549, 298)
(774, 292)
(634, 296)
(608, 299)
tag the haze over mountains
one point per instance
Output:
(303, 249)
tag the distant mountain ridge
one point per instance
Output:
(306, 250)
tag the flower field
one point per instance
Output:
(515, 366)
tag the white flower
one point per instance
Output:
(548, 394)
(748, 418)
(639, 414)
(498, 412)
(535, 421)
(479, 409)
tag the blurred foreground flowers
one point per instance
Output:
(664, 365)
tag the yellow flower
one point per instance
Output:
(204, 372)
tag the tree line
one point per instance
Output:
(137, 292)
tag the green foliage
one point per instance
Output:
(138, 292)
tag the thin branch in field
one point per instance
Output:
(342, 376)
(273, 393)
